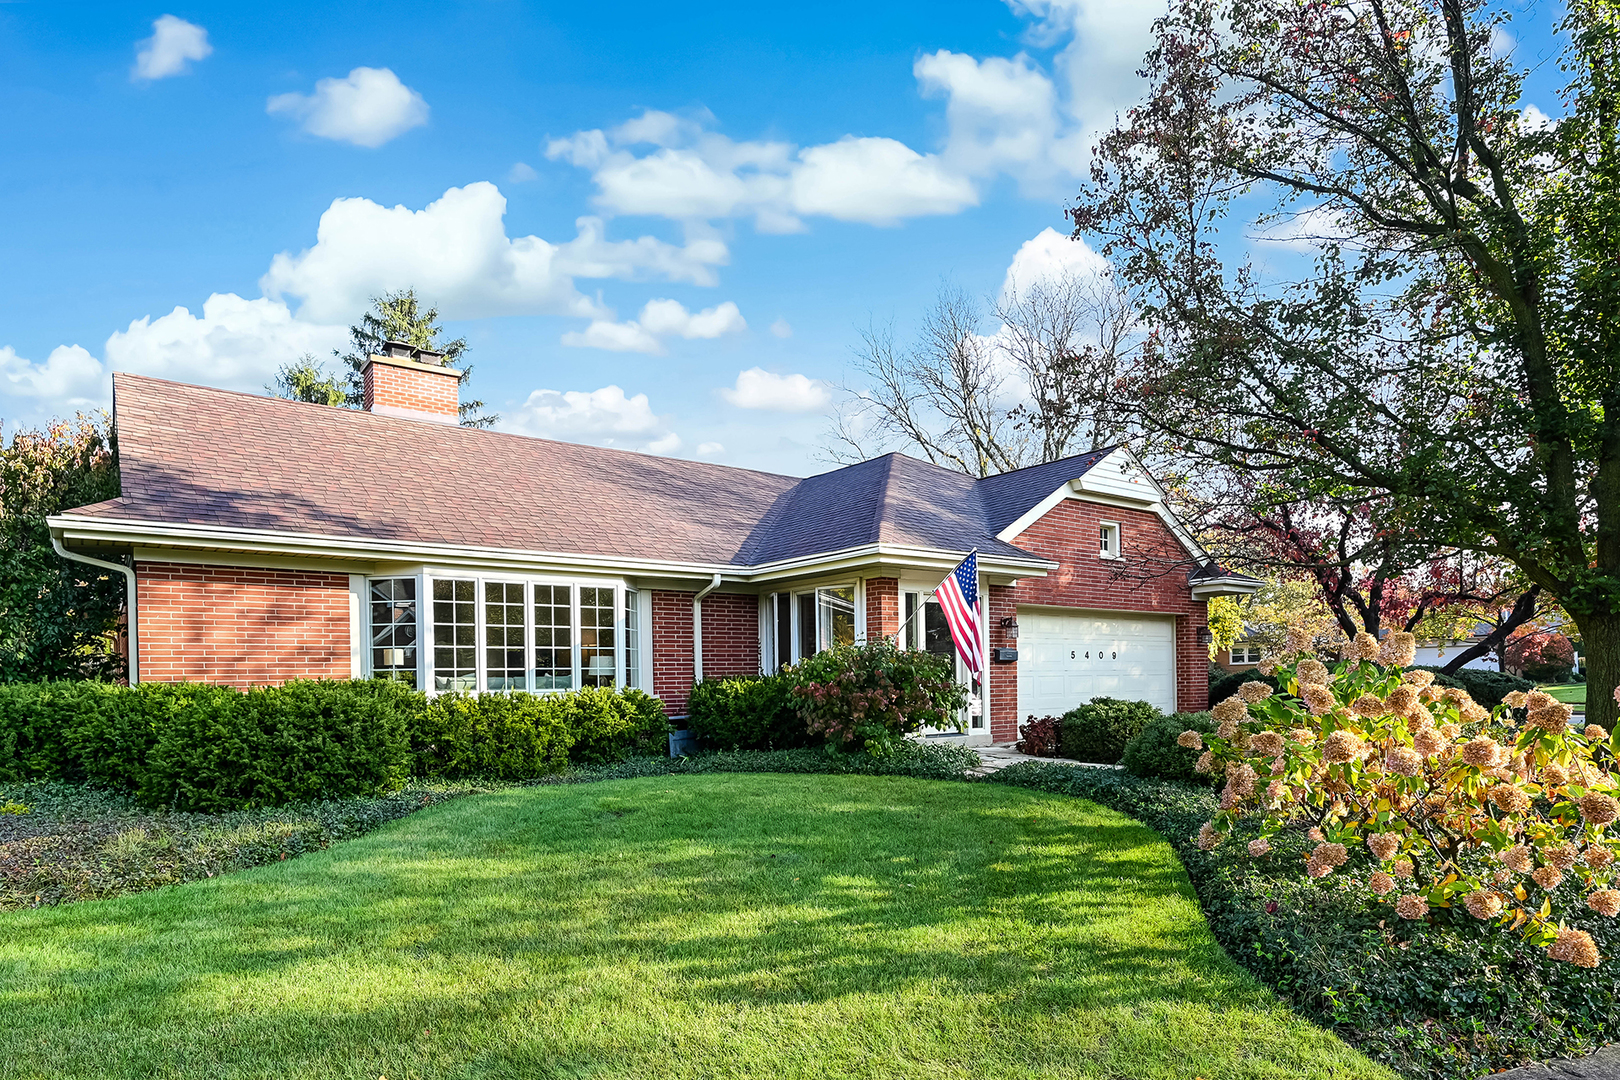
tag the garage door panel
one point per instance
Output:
(1065, 660)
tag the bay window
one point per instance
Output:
(393, 629)
(455, 635)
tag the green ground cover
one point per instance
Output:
(673, 926)
(1569, 693)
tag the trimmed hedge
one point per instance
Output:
(1098, 730)
(1154, 751)
(190, 746)
(747, 713)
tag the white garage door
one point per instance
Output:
(1066, 660)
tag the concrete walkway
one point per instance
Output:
(992, 759)
(1603, 1065)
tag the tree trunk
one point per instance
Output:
(1600, 634)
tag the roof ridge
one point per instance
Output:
(1104, 450)
(886, 484)
(336, 412)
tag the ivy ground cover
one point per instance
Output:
(672, 926)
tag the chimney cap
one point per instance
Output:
(404, 350)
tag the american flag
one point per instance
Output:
(958, 597)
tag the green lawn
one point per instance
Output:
(1570, 693)
(714, 926)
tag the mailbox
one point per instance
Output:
(1004, 656)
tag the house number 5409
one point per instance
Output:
(1074, 656)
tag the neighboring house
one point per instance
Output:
(273, 540)
(1243, 656)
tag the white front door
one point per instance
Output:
(1065, 660)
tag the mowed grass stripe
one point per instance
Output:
(705, 926)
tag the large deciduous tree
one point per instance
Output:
(1452, 347)
(58, 619)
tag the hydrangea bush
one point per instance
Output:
(1457, 804)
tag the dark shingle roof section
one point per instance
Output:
(1007, 496)
(198, 456)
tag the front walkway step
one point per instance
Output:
(992, 759)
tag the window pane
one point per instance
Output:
(837, 616)
(553, 637)
(393, 629)
(632, 638)
(784, 629)
(807, 626)
(505, 663)
(936, 631)
(913, 624)
(455, 629)
(597, 632)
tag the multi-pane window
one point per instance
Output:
(632, 638)
(1247, 654)
(1108, 540)
(782, 628)
(455, 635)
(836, 609)
(553, 637)
(393, 629)
(505, 658)
(598, 628)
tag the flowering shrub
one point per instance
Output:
(1039, 738)
(1457, 804)
(864, 696)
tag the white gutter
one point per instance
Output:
(697, 627)
(129, 606)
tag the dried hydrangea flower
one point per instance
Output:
(1261, 846)
(1411, 906)
(1303, 736)
(1191, 739)
(1595, 732)
(1598, 808)
(1428, 742)
(1548, 877)
(1473, 712)
(1315, 834)
(1482, 904)
(1322, 860)
(1205, 762)
(1517, 858)
(1545, 712)
(1252, 692)
(1342, 746)
(1267, 666)
(1418, 679)
(1597, 857)
(1398, 650)
(1313, 673)
(1266, 743)
(1300, 638)
(1509, 799)
(1276, 791)
(1554, 775)
(1604, 902)
(1208, 838)
(1515, 699)
(1562, 856)
(1384, 845)
(1401, 700)
(1226, 729)
(1381, 883)
(1240, 777)
(1361, 647)
(1403, 869)
(1480, 751)
(1574, 947)
(1231, 708)
(1368, 705)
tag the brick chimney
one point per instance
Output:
(414, 383)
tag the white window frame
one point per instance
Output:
(1112, 530)
(1258, 652)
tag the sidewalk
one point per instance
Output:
(992, 759)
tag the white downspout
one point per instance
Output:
(129, 607)
(697, 628)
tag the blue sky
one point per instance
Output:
(659, 226)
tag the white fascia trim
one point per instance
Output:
(1225, 586)
(271, 542)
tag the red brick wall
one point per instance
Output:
(436, 392)
(730, 634)
(672, 648)
(882, 607)
(1152, 577)
(1003, 677)
(240, 627)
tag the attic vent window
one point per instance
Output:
(1108, 540)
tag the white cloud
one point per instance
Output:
(367, 108)
(781, 328)
(760, 389)
(521, 173)
(710, 449)
(695, 174)
(174, 43)
(606, 417)
(1002, 116)
(236, 344)
(456, 253)
(659, 319)
(69, 380)
(1050, 255)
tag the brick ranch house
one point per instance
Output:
(267, 540)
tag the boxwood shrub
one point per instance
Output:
(1155, 753)
(190, 746)
(747, 713)
(1098, 730)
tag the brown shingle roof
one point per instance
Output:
(194, 455)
